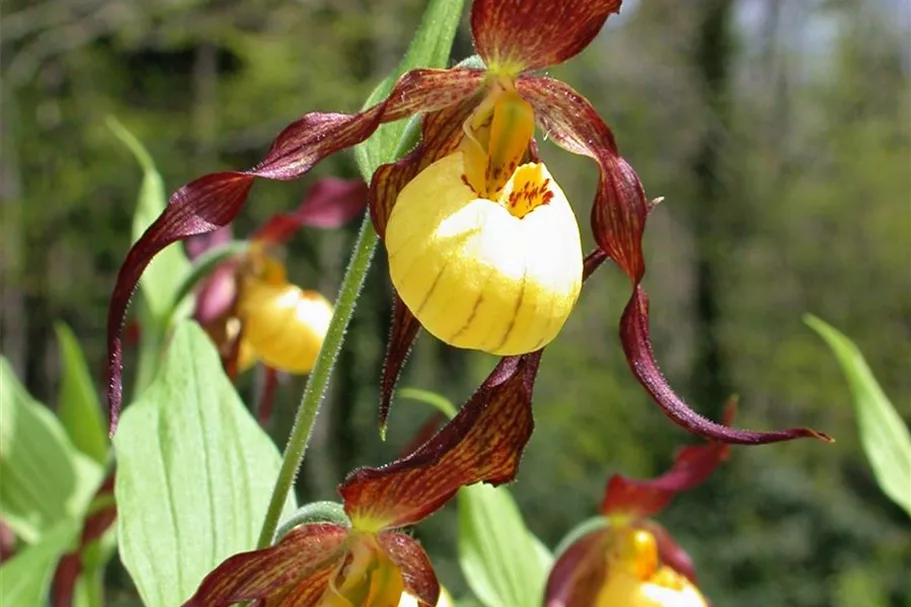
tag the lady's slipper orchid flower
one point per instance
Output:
(248, 307)
(625, 558)
(483, 247)
(370, 562)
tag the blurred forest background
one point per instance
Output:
(779, 132)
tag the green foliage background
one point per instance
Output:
(777, 131)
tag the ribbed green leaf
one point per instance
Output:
(430, 47)
(160, 280)
(884, 435)
(503, 562)
(78, 406)
(45, 479)
(194, 475)
(25, 579)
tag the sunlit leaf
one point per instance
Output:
(884, 435)
(160, 280)
(25, 579)
(45, 479)
(78, 406)
(430, 47)
(194, 476)
(504, 563)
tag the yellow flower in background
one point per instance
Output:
(623, 558)
(283, 325)
(247, 304)
(635, 577)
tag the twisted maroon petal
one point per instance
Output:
(578, 573)
(484, 442)
(213, 201)
(295, 568)
(417, 570)
(528, 34)
(618, 217)
(638, 348)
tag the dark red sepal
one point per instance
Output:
(292, 572)
(642, 498)
(528, 35)
(405, 329)
(411, 559)
(484, 442)
(619, 213)
(213, 201)
(329, 203)
(579, 573)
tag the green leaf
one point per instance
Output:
(25, 579)
(437, 401)
(160, 280)
(430, 47)
(884, 436)
(195, 472)
(46, 480)
(78, 406)
(503, 562)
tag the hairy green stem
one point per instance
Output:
(345, 303)
(319, 377)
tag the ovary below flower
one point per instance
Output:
(284, 325)
(483, 250)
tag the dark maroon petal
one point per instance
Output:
(484, 442)
(213, 201)
(642, 498)
(301, 561)
(329, 203)
(620, 207)
(618, 216)
(670, 553)
(417, 570)
(527, 35)
(405, 329)
(592, 262)
(636, 343)
(578, 573)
